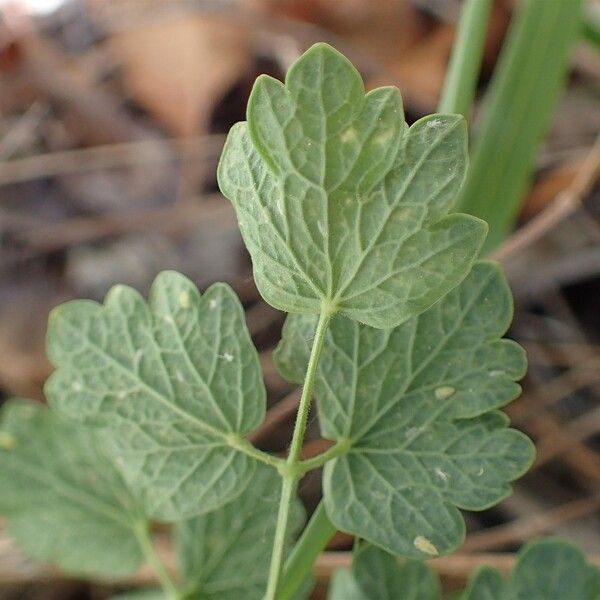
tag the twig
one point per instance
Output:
(564, 205)
(565, 354)
(459, 566)
(22, 129)
(581, 375)
(109, 156)
(212, 211)
(583, 461)
(526, 528)
(572, 434)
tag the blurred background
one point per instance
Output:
(112, 119)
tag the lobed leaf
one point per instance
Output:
(550, 569)
(172, 383)
(376, 575)
(64, 501)
(486, 584)
(340, 204)
(225, 554)
(416, 406)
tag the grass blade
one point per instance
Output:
(465, 63)
(521, 99)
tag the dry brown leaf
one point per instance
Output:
(178, 68)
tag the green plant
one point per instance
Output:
(550, 569)
(394, 328)
(463, 71)
(526, 85)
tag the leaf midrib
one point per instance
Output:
(151, 391)
(458, 323)
(401, 194)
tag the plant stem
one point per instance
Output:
(312, 542)
(288, 487)
(144, 539)
(291, 471)
(465, 63)
(243, 445)
(338, 449)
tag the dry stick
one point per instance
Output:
(15, 570)
(211, 210)
(566, 203)
(582, 460)
(579, 376)
(560, 354)
(525, 528)
(45, 66)
(23, 129)
(555, 437)
(459, 566)
(572, 434)
(109, 156)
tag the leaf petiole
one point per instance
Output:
(340, 448)
(144, 539)
(299, 565)
(243, 445)
(291, 474)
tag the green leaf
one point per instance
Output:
(173, 384)
(377, 575)
(550, 569)
(344, 586)
(340, 205)
(225, 554)
(416, 408)
(486, 584)
(64, 501)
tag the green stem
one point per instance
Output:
(465, 63)
(144, 539)
(340, 448)
(288, 488)
(291, 471)
(243, 445)
(312, 542)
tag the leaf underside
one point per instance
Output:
(549, 569)
(224, 555)
(64, 501)
(417, 406)
(377, 575)
(341, 205)
(169, 382)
